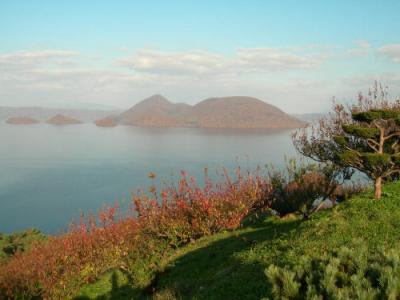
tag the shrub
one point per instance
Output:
(158, 222)
(188, 211)
(296, 188)
(58, 267)
(349, 273)
(18, 242)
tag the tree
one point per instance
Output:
(363, 136)
(371, 145)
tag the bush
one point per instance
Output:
(58, 267)
(188, 211)
(350, 273)
(18, 242)
(296, 188)
(158, 223)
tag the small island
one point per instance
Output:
(22, 121)
(109, 121)
(63, 120)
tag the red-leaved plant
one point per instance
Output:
(58, 267)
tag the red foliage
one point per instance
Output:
(188, 211)
(57, 268)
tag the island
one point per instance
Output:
(224, 112)
(109, 121)
(63, 120)
(22, 121)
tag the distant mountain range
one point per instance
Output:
(226, 112)
(157, 111)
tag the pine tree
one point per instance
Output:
(371, 145)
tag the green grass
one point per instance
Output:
(231, 265)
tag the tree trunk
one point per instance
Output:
(378, 188)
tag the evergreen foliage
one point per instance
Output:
(370, 144)
(349, 273)
(364, 136)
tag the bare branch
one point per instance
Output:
(395, 147)
(372, 144)
(391, 172)
(397, 133)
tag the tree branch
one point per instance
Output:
(394, 146)
(377, 125)
(397, 133)
(373, 141)
(372, 146)
(391, 172)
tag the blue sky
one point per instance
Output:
(114, 53)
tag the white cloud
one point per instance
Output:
(250, 60)
(363, 48)
(34, 58)
(57, 78)
(271, 59)
(391, 52)
(175, 63)
(295, 79)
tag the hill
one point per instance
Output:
(155, 111)
(21, 121)
(240, 112)
(63, 120)
(109, 121)
(226, 112)
(232, 265)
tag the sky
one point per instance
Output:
(296, 55)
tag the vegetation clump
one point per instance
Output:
(363, 137)
(371, 145)
(348, 273)
(300, 186)
(18, 242)
(57, 268)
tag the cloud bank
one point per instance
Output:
(253, 60)
(297, 79)
(391, 52)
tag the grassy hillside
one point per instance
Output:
(231, 265)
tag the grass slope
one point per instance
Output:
(231, 265)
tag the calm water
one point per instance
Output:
(49, 174)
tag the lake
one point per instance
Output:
(49, 174)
